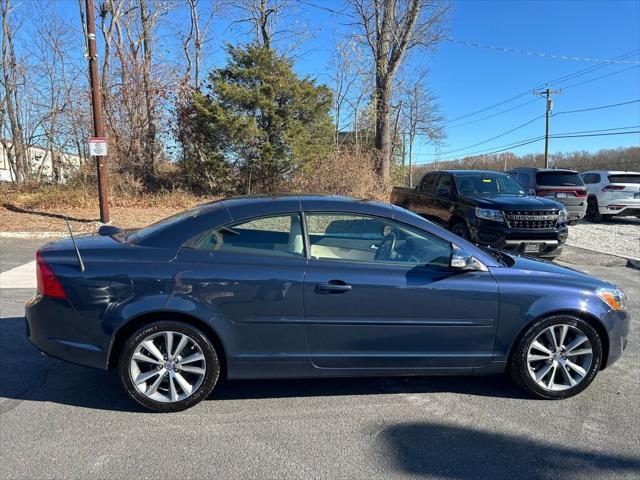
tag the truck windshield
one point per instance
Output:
(487, 184)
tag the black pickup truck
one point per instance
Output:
(488, 208)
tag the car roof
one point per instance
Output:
(453, 172)
(613, 172)
(534, 169)
(256, 205)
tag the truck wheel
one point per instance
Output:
(593, 213)
(461, 229)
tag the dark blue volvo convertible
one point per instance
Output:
(310, 286)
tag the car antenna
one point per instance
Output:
(74, 245)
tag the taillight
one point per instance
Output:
(612, 187)
(48, 283)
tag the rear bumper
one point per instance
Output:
(501, 237)
(576, 212)
(53, 327)
(620, 208)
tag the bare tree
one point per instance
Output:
(262, 16)
(11, 77)
(392, 28)
(421, 118)
(348, 72)
(194, 39)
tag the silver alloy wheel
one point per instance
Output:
(559, 357)
(167, 366)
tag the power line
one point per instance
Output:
(529, 122)
(492, 138)
(600, 77)
(540, 54)
(495, 114)
(519, 143)
(598, 108)
(555, 81)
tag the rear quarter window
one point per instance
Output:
(625, 178)
(559, 179)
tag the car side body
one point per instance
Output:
(612, 193)
(284, 316)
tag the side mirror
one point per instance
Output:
(531, 192)
(444, 192)
(464, 261)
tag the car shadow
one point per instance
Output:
(434, 450)
(30, 376)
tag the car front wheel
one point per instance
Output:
(168, 366)
(557, 357)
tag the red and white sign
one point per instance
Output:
(98, 146)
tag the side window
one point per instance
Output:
(428, 182)
(523, 179)
(277, 235)
(353, 237)
(591, 178)
(444, 183)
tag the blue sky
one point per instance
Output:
(466, 79)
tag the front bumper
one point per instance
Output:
(618, 325)
(55, 328)
(513, 240)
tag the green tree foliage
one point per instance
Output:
(254, 124)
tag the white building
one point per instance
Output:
(40, 162)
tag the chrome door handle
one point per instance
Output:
(333, 287)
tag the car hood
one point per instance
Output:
(514, 202)
(548, 270)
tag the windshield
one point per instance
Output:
(559, 179)
(487, 184)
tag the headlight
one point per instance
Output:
(489, 214)
(614, 297)
(562, 216)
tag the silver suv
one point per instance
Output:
(612, 193)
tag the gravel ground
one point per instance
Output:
(617, 237)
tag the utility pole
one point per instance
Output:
(547, 94)
(96, 103)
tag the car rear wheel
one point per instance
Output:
(593, 213)
(168, 366)
(557, 357)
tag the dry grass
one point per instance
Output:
(41, 208)
(342, 173)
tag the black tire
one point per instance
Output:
(212, 364)
(593, 213)
(460, 228)
(519, 368)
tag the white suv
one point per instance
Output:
(611, 193)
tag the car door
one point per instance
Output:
(246, 277)
(443, 198)
(383, 297)
(423, 201)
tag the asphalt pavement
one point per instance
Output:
(59, 420)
